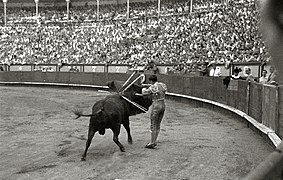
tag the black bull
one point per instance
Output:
(114, 110)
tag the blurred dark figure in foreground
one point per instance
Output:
(272, 29)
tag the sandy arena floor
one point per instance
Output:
(40, 139)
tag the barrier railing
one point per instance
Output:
(256, 68)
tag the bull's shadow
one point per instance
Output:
(113, 111)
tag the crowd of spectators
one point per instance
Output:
(269, 78)
(216, 31)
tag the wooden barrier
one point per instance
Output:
(13, 76)
(117, 76)
(99, 78)
(280, 112)
(270, 107)
(244, 89)
(64, 77)
(255, 101)
(87, 78)
(51, 77)
(258, 101)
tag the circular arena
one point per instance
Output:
(40, 139)
(220, 59)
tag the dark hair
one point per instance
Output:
(153, 78)
(237, 70)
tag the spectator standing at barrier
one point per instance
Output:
(76, 69)
(263, 79)
(214, 71)
(235, 76)
(248, 74)
(151, 66)
(50, 69)
(272, 76)
(203, 70)
(244, 74)
(157, 89)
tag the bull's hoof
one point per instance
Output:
(122, 149)
(130, 141)
(83, 159)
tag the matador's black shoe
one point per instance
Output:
(150, 146)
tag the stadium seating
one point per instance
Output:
(215, 31)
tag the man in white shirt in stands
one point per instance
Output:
(215, 71)
(263, 79)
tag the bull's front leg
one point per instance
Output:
(116, 132)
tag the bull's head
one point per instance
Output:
(114, 85)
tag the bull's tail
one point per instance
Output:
(79, 113)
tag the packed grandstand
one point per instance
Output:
(216, 30)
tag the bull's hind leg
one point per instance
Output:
(116, 132)
(127, 127)
(91, 133)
